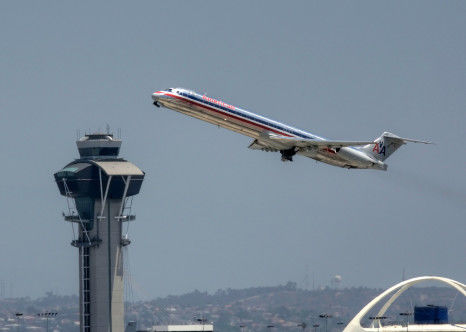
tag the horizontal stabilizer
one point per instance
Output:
(393, 136)
(386, 144)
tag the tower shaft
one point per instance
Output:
(101, 272)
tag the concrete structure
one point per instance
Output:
(182, 328)
(419, 328)
(97, 187)
(355, 324)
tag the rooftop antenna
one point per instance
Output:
(107, 127)
(336, 281)
(306, 278)
(2, 289)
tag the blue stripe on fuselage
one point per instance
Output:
(251, 116)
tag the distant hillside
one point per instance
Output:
(283, 306)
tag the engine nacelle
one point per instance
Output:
(287, 155)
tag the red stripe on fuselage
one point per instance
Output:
(210, 108)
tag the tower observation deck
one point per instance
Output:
(99, 187)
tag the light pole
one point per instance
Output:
(406, 314)
(340, 323)
(315, 326)
(270, 326)
(302, 325)
(202, 320)
(326, 316)
(18, 316)
(242, 326)
(47, 315)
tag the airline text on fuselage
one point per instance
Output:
(217, 102)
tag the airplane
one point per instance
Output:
(270, 135)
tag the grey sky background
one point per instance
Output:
(212, 213)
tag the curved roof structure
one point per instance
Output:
(119, 167)
(355, 324)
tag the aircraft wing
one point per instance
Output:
(275, 143)
(256, 145)
(291, 141)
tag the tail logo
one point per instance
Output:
(379, 148)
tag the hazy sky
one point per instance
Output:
(212, 213)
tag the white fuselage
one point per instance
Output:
(258, 127)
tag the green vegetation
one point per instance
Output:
(283, 306)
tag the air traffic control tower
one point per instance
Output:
(99, 187)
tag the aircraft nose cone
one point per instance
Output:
(156, 97)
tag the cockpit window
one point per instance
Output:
(169, 89)
(183, 90)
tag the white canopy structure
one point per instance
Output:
(355, 324)
(183, 328)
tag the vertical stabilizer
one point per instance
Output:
(386, 144)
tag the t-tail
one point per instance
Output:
(386, 144)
